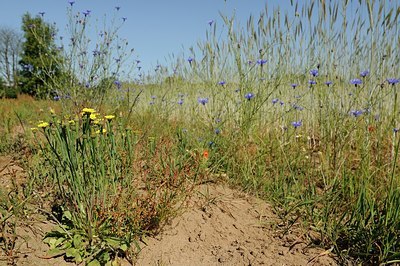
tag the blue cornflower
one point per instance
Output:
(222, 82)
(328, 83)
(71, 3)
(296, 124)
(261, 62)
(151, 103)
(153, 97)
(312, 82)
(117, 8)
(356, 82)
(274, 101)
(249, 96)
(294, 85)
(298, 107)
(180, 101)
(202, 101)
(56, 98)
(210, 22)
(42, 13)
(393, 81)
(217, 131)
(96, 52)
(364, 73)
(124, 19)
(314, 72)
(281, 103)
(356, 113)
(118, 84)
(396, 129)
(190, 60)
(86, 12)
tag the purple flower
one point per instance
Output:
(117, 8)
(250, 62)
(314, 72)
(356, 113)
(328, 83)
(190, 60)
(151, 103)
(294, 85)
(180, 101)
(86, 13)
(281, 103)
(395, 130)
(202, 101)
(96, 52)
(261, 62)
(153, 97)
(297, 107)
(356, 82)
(222, 83)
(118, 84)
(364, 73)
(312, 82)
(296, 124)
(42, 13)
(56, 98)
(249, 96)
(210, 22)
(393, 81)
(274, 101)
(124, 19)
(217, 131)
(71, 3)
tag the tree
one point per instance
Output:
(10, 49)
(40, 60)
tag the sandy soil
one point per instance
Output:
(221, 226)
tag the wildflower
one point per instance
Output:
(153, 97)
(34, 129)
(371, 128)
(56, 98)
(392, 81)
(356, 113)
(294, 85)
(180, 101)
(88, 111)
(42, 13)
(396, 129)
(217, 131)
(312, 82)
(356, 82)
(274, 101)
(71, 122)
(328, 83)
(43, 125)
(93, 116)
(364, 73)
(117, 8)
(249, 96)
(202, 101)
(124, 19)
(109, 117)
(261, 62)
(86, 13)
(71, 3)
(190, 60)
(205, 154)
(296, 124)
(102, 131)
(222, 83)
(118, 84)
(52, 111)
(281, 103)
(210, 22)
(297, 107)
(314, 72)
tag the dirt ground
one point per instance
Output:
(221, 226)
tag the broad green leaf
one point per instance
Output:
(77, 241)
(55, 252)
(94, 263)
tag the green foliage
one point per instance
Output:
(40, 61)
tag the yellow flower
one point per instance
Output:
(34, 129)
(71, 122)
(43, 125)
(97, 121)
(93, 116)
(103, 131)
(88, 110)
(52, 111)
(109, 117)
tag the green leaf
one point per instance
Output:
(77, 241)
(55, 252)
(67, 215)
(94, 263)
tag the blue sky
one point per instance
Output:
(154, 28)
